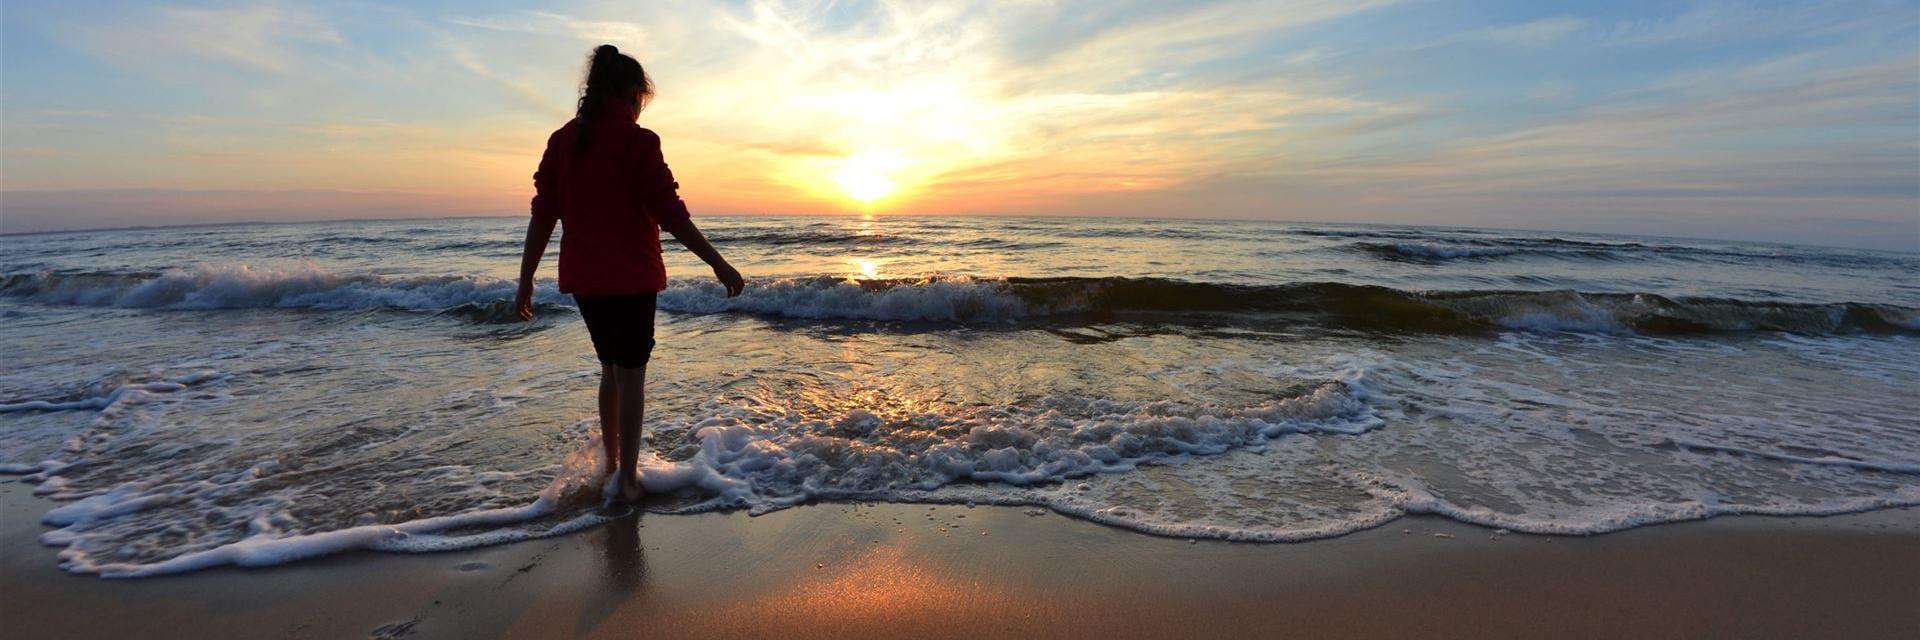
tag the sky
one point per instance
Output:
(1774, 121)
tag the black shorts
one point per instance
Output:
(621, 327)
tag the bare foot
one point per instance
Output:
(630, 489)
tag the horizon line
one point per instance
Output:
(476, 216)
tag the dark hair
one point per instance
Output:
(610, 74)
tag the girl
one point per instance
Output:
(604, 176)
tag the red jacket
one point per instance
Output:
(612, 200)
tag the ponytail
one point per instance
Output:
(610, 74)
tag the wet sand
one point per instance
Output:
(841, 570)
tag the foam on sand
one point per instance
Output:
(735, 457)
(1322, 455)
(267, 545)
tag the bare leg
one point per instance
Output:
(610, 418)
(631, 387)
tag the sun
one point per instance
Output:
(865, 176)
(864, 185)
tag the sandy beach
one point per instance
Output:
(844, 570)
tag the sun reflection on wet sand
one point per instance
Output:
(874, 592)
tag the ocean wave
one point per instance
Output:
(1341, 306)
(1418, 249)
(813, 237)
(948, 299)
(1384, 233)
(989, 301)
(512, 245)
(231, 286)
(1437, 252)
(1145, 230)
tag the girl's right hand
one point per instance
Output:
(523, 301)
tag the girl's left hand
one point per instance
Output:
(730, 278)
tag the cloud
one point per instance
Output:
(961, 94)
(1709, 163)
(468, 60)
(1724, 22)
(1538, 33)
(258, 38)
(615, 31)
(1534, 34)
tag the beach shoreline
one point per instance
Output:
(858, 570)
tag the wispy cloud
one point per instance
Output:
(1537, 33)
(471, 62)
(1751, 141)
(257, 38)
(544, 22)
(1709, 23)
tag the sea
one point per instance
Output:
(255, 394)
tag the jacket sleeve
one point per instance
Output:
(546, 202)
(659, 193)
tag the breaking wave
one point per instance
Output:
(1421, 250)
(1333, 305)
(244, 287)
(992, 301)
(1440, 252)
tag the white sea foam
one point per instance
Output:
(736, 457)
(1449, 251)
(1390, 497)
(1546, 311)
(268, 545)
(1831, 459)
(1908, 319)
(52, 405)
(1637, 514)
(935, 299)
(1237, 472)
(239, 286)
(750, 459)
(127, 391)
